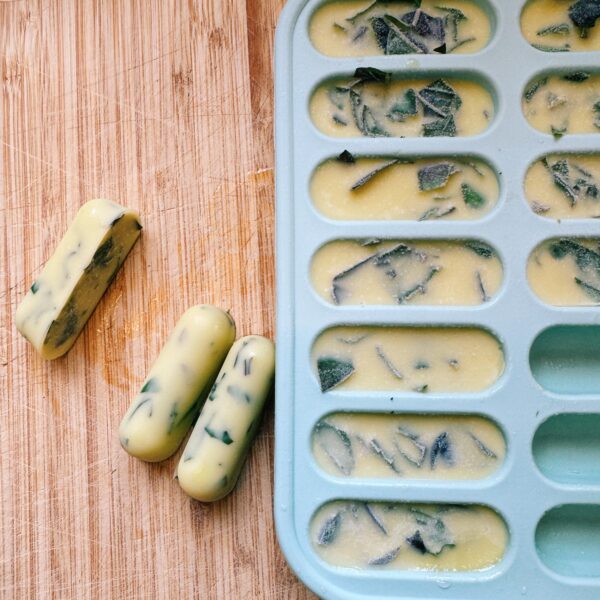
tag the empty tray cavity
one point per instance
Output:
(566, 448)
(565, 359)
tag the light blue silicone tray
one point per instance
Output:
(552, 509)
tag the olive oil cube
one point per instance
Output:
(215, 453)
(178, 383)
(87, 259)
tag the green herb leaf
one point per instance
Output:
(419, 288)
(592, 291)
(482, 447)
(416, 542)
(441, 449)
(406, 445)
(336, 443)
(559, 29)
(333, 371)
(366, 178)
(346, 157)
(436, 176)
(558, 132)
(472, 197)
(329, 531)
(480, 248)
(543, 48)
(440, 127)
(481, 287)
(222, 436)
(388, 363)
(102, 256)
(35, 287)
(371, 74)
(439, 99)
(584, 13)
(388, 459)
(576, 76)
(534, 87)
(386, 558)
(403, 108)
(151, 386)
(375, 518)
(436, 213)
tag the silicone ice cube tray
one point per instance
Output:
(547, 401)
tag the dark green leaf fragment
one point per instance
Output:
(404, 107)
(543, 48)
(534, 87)
(140, 404)
(585, 258)
(419, 288)
(596, 108)
(480, 248)
(422, 364)
(422, 389)
(379, 451)
(433, 532)
(445, 127)
(70, 323)
(102, 256)
(425, 25)
(337, 444)
(371, 74)
(471, 196)
(337, 96)
(436, 213)
(592, 291)
(222, 436)
(412, 440)
(558, 29)
(388, 363)
(576, 76)
(366, 178)
(239, 394)
(481, 287)
(441, 449)
(558, 132)
(329, 530)
(35, 287)
(386, 558)
(585, 13)
(482, 447)
(416, 542)
(375, 518)
(151, 386)
(333, 371)
(439, 99)
(346, 157)
(436, 176)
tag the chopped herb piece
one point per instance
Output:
(422, 389)
(534, 87)
(339, 120)
(352, 340)
(222, 436)
(375, 446)
(248, 366)
(439, 99)
(387, 558)
(425, 25)
(441, 448)
(440, 49)
(481, 287)
(543, 48)
(69, 325)
(559, 29)
(404, 107)
(329, 530)
(373, 516)
(422, 364)
(472, 197)
(336, 443)
(584, 13)
(436, 213)
(576, 76)
(337, 96)
(453, 17)
(239, 394)
(436, 176)
(151, 386)
(480, 248)
(346, 157)
(454, 363)
(371, 74)
(416, 542)
(366, 178)
(336, 25)
(102, 256)
(333, 371)
(370, 242)
(482, 447)
(35, 287)
(440, 127)
(433, 532)
(597, 114)
(388, 363)
(359, 33)
(592, 291)
(139, 405)
(419, 288)
(413, 440)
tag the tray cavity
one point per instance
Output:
(411, 359)
(566, 448)
(568, 540)
(409, 188)
(565, 359)
(383, 535)
(433, 447)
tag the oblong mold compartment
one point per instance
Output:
(398, 272)
(565, 359)
(397, 446)
(350, 188)
(564, 186)
(421, 359)
(566, 448)
(563, 102)
(409, 537)
(567, 540)
(374, 103)
(566, 271)
(345, 28)
(561, 25)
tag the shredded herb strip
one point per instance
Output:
(534, 87)
(388, 363)
(419, 288)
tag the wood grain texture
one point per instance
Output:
(165, 106)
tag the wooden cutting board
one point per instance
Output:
(165, 106)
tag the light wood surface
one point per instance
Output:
(165, 106)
